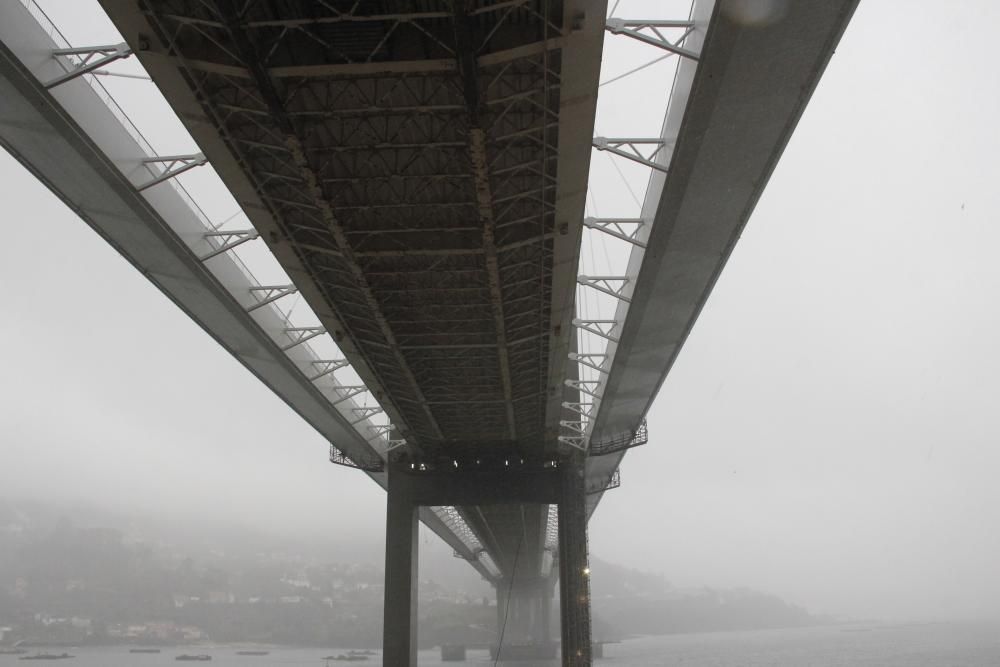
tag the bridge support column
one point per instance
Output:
(546, 620)
(526, 622)
(574, 571)
(399, 630)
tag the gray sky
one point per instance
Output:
(828, 434)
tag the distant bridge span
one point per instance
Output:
(420, 174)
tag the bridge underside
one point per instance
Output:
(419, 169)
(420, 173)
(407, 163)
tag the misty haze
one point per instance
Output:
(383, 362)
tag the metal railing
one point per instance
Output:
(620, 442)
(606, 484)
(368, 464)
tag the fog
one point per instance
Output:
(828, 433)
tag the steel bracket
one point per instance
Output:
(229, 240)
(633, 148)
(365, 413)
(583, 409)
(634, 28)
(327, 366)
(588, 387)
(606, 285)
(350, 391)
(603, 328)
(173, 165)
(299, 335)
(589, 359)
(381, 431)
(88, 63)
(616, 227)
(269, 294)
(575, 441)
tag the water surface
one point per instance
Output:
(933, 645)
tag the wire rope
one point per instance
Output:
(628, 187)
(634, 70)
(510, 588)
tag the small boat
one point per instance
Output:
(253, 653)
(364, 652)
(194, 658)
(48, 656)
(346, 658)
(144, 650)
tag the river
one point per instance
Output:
(928, 645)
